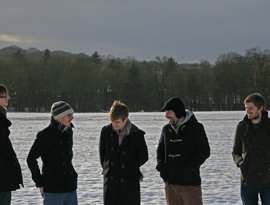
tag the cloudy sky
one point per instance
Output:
(187, 30)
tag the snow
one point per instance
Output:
(220, 177)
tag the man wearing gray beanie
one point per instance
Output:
(183, 147)
(58, 180)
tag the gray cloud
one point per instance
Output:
(186, 30)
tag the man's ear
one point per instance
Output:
(261, 109)
(125, 120)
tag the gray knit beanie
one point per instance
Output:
(60, 109)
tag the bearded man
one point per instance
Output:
(251, 151)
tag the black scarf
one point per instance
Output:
(3, 110)
(62, 128)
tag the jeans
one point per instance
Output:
(250, 195)
(69, 198)
(5, 198)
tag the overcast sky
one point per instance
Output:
(187, 30)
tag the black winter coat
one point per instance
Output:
(251, 151)
(180, 155)
(121, 165)
(10, 170)
(55, 149)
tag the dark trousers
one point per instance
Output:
(250, 195)
(118, 192)
(5, 198)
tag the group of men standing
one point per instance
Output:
(183, 147)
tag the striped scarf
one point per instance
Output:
(124, 132)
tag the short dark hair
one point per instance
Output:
(257, 99)
(118, 111)
(3, 90)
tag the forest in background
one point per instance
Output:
(90, 83)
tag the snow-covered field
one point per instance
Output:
(220, 177)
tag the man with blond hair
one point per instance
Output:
(122, 151)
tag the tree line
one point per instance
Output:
(90, 83)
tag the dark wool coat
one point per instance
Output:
(180, 154)
(252, 149)
(10, 170)
(55, 149)
(121, 165)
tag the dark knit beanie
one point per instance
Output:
(176, 105)
(61, 109)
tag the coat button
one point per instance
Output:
(123, 166)
(122, 180)
(123, 152)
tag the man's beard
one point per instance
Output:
(254, 116)
(172, 121)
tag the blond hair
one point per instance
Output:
(118, 110)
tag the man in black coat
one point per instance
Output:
(251, 151)
(10, 170)
(183, 147)
(122, 151)
(58, 180)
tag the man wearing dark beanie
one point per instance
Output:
(183, 147)
(58, 180)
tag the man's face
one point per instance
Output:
(66, 120)
(170, 115)
(119, 124)
(253, 113)
(4, 98)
